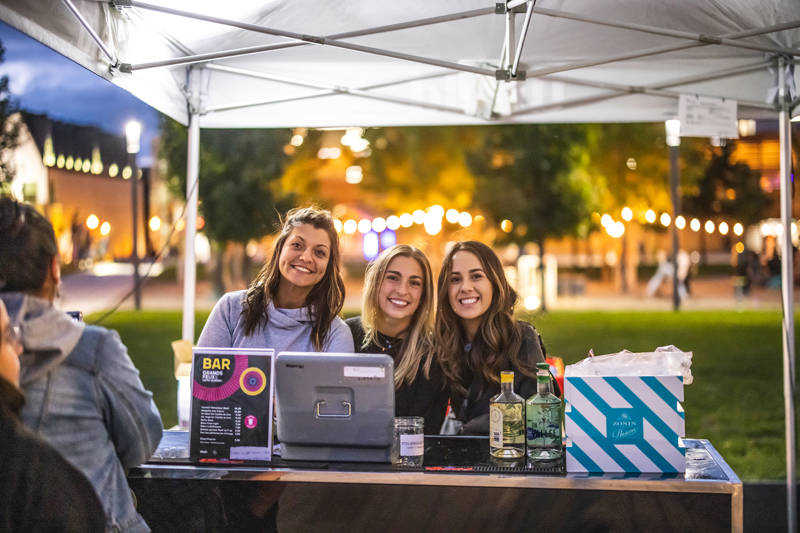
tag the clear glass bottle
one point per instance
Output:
(507, 421)
(543, 419)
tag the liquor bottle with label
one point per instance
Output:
(543, 419)
(507, 421)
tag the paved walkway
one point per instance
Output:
(89, 293)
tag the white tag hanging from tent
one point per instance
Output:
(706, 116)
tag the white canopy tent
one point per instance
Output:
(286, 63)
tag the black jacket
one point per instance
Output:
(473, 408)
(425, 397)
(39, 491)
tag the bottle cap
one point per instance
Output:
(506, 376)
(543, 366)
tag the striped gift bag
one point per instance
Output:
(627, 424)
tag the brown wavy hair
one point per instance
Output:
(418, 343)
(326, 298)
(498, 338)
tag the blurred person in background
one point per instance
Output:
(83, 393)
(397, 314)
(39, 490)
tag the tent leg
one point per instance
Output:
(787, 287)
(189, 261)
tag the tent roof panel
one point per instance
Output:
(555, 42)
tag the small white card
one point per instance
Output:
(377, 372)
(705, 116)
(250, 453)
(412, 445)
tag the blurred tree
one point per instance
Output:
(629, 165)
(239, 194)
(416, 167)
(404, 168)
(726, 189)
(9, 129)
(532, 175)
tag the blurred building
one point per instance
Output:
(79, 176)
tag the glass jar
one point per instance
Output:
(408, 442)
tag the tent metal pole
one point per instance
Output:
(201, 58)
(525, 25)
(665, 32)
(706, 76)
(618, 93)
(327, 90)
(674, 182)
(511, 34)
(192, 171)
(624, 90)
(344, 90)
(497, 82)
(787, 293)
(83, 22)
(316, 39)
(656, 50)
(660, 89)
(586, 100)
(292, 81)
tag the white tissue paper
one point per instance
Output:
(664, 361)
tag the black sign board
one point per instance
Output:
(232, 390)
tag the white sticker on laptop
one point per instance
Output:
(377, 372)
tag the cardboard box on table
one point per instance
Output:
(631, 424)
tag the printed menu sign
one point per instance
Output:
(232, 390)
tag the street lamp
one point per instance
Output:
(673, 128)
(133, 133)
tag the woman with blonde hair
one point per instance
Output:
(294, 301)
(397, 319)
(477, 336)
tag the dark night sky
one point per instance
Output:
(43, 81)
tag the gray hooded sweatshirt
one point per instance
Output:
(286, 329)
(85, 397)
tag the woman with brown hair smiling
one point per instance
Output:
(477, 336)
(294, 300)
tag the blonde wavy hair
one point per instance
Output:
(418, 342)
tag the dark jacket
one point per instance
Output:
(425, 397)
(39, 490)
(473, 408)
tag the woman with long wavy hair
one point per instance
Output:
(477, 336)
(294, 301)
(397, 319)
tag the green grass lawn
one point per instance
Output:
(736, 400)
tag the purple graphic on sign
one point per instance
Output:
(250, 421)
(215, 394)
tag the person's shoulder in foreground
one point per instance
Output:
(39, 490)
